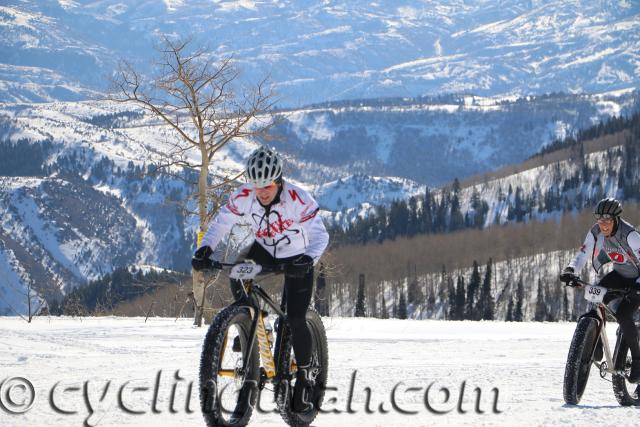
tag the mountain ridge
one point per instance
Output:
(316, 52)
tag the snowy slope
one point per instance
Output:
(532, 269)
(604, 165)
(524, 361)
(57, 234)
(321, 51)
(433, 141)
(355, 190)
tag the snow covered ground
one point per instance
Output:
(64, 359)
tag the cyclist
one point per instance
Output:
(612, 239)
(288, 231)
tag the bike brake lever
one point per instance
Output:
(574, 283)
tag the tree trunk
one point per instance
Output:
(198, 276)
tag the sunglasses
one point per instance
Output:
(604, 217)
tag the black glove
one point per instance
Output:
(567, 276)
(300, 267)
(202, 258)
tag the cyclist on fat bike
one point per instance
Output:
(287, 231)
(612, 239)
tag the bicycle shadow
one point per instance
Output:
(566, 405)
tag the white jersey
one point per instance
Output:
(289, 226)
(622, 249)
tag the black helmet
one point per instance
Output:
(608, 208)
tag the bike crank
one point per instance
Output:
(603, 370)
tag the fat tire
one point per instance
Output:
(210, 363)
(579, 360)
(284, 387)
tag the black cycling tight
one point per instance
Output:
(626, 309)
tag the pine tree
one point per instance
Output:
(518, 315)
(431, 294)
(519, 209)
(459, 301)
(440, 220)
(414, 221)
(385, 313)
(426, 215)
(402, 307)
(510, 310)
(474, 284)
(414, 293)
(457, 220)
(360, 304)
(451, 297)
(541, 309)
(486, 299)
(565, 304)
(550, 303)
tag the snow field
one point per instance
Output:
(150, 366)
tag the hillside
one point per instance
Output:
(532, 222)
(433, 141)
(542, 187)
(98, 157)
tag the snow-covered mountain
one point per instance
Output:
(73, 182)
(433, 141)
(330, 50)
(74, 185)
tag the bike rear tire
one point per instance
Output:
(627, 394)
(320, 360)
(219, 408)
(579, 360)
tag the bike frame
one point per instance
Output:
(601, 309)
(606, 367)
(253, 294)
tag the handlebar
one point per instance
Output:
(578, 282)
(264, 269)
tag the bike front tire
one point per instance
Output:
(227, 393)
(579, 360)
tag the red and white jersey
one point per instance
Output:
(290, 226)
(622, 249)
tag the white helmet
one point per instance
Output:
(263, 167)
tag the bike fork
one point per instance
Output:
(608, 363)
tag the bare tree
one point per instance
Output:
(201, 100)
(35, 303)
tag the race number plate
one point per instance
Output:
(594, 293)
(245, 271)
